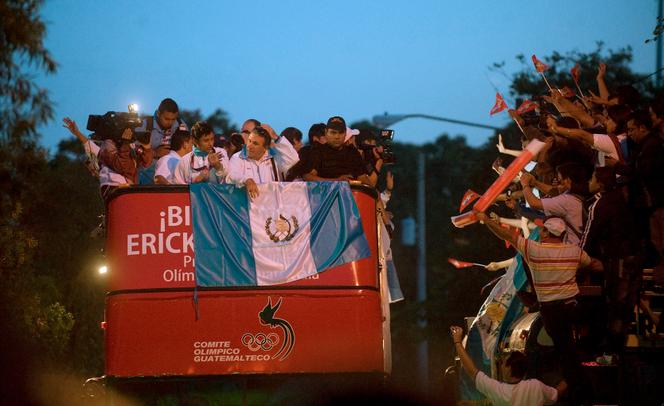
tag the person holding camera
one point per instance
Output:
(120, 160)
(371, 153)
(205, 163)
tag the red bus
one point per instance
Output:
(159, 324)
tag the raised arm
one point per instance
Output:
(572, 133)
(567, 108)
(533, 201)
(601, 84)
(503, 150)
(466, 361)
(496, 229)
(71, 125)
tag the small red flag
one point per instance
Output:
(526, 106)
(575, 73)
(567, 92)
(469, 197)
(459, 264)
(539, 65)
(499, 106)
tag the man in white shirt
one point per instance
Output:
(181, 144)
(265, 158)
(205, 163)
(515, 390)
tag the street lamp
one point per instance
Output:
(386, 120)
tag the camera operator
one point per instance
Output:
(371, 153)
(120, 160)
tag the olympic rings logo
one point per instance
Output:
(260, 341)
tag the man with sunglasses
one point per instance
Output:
(265, 158)
(205, 163)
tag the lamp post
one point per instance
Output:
(385, 121)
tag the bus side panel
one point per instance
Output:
(278, 331)
(150, 244)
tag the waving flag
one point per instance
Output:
(289, 232)
(539, 65)
(526, 106)
(460, 264)
(469, 197)
(499, 106)
(575, 71)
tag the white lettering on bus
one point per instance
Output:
(173, 243)
(176, 275)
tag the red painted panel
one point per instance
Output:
(311, 331)
(150, 243)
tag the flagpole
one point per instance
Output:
(579, 89)
(546, 81)
(518, 125)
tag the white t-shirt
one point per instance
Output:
(166, 166)
(529, 392)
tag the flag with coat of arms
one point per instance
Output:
(289, 232)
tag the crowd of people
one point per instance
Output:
(595, 196)
(164, 151)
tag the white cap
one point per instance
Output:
(349, 133)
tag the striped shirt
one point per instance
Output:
(553, 267)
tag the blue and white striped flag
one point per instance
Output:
(289, 232)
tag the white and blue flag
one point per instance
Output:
(289, 232)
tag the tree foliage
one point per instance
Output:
(219, 120)
(527, 83)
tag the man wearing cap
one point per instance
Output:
(334, 160)
(553, 265)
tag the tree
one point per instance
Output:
(34, 321)
(527, 83)
(218, 120)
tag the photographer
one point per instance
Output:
(120, 160)
(371, 153)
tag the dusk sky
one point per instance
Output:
(294, 63)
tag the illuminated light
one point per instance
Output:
(133, 108)
(103, 269)
(102, 325)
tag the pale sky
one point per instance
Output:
(294, 63)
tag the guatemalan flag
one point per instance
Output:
(289, 232)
